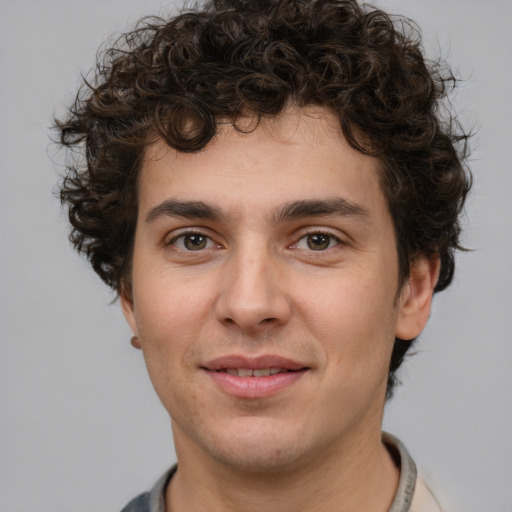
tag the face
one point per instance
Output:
(265, 292)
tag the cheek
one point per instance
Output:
(170, 318)
(169, 304)
(353, 318)
(169, 326)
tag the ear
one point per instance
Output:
(128, 311)
(416, 297)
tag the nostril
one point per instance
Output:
(251, 311)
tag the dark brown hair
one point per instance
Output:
(176, 79)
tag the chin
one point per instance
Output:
(259, 446)
(251, 457)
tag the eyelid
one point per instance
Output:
(178, 233)
(319, 231)
(171, 238)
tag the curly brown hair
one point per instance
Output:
(177, 79)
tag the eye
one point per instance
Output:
(317, 242)
(192, 242)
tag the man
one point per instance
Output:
(270, 190)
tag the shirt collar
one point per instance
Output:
(157, 494)
(408, 473)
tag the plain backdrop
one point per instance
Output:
(81, 429)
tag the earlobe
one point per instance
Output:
(135, 341)
(128, 311)
(416, 297)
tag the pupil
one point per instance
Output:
(195, 242)
(318, 241)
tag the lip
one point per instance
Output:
(255, 363)
(254, 387)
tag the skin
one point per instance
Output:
(255, 284)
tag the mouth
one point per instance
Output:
(249, 372)
(250, 378)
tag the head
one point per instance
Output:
(181, 81)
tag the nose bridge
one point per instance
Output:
(252, 294)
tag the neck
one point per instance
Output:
(358, 477)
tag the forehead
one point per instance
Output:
(298, 155)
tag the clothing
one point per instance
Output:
(412, 494)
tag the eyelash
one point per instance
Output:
(331, 238)
(209, 242)
(191, 233)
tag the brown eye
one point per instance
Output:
(195, 242)
(318, 241)
(192, 242)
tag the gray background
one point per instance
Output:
(81, 429)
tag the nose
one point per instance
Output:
(252, 293)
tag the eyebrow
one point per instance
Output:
(185, 209)
(290, 211)
(316, 208)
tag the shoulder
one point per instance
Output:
(424, 499)
(138, 504)
(154, 500)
